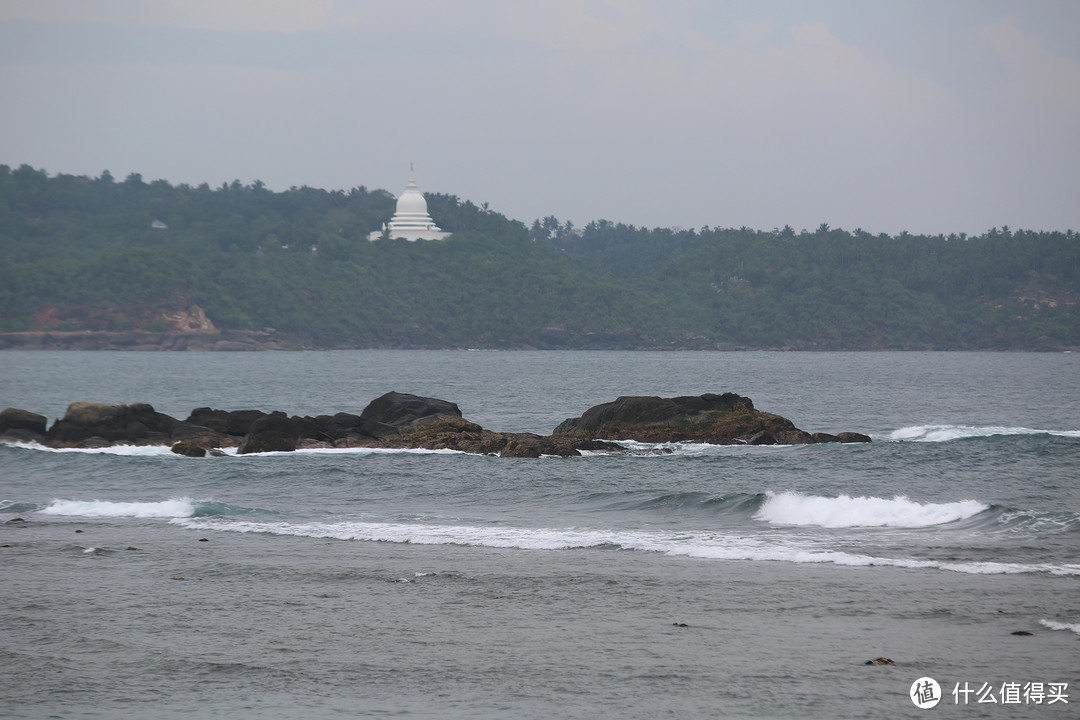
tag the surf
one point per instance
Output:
(846, 511)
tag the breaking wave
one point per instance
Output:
(792, 508)
(173, 508)
(946, 433)
(706, 545)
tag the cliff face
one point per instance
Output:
(178, 317)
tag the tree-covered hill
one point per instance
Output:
(79, 253)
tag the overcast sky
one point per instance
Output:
(926, 116)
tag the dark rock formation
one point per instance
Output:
(393, 412)
(880, 661)
(16, 419)
(726, 419)
(718, 419)
(200, 435)
(399, 420)
(137, 423)
(271, 433)
(22, 425)
(189, 450)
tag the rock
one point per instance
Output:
(198, 435)
(338, 426)
(189, 450)
(239, 422)
(16, 419)
(880, 661)
(387, 415)
(206, 417)
(271, 433)
(22, 436)
(309, 444)
(400, 420)
(1022, 632)
(84, 421)
(717, 419)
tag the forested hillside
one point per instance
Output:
(79, 253)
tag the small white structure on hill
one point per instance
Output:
(411, 220)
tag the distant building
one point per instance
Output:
(411, 220)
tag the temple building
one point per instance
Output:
(411, 220)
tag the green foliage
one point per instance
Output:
(299, 261)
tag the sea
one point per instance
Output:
(704, 582)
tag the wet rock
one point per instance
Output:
(189, 450)
(725, 419)
(271, 433)
(87, 424)
(388, 414)
(880, 661)
(24, 420)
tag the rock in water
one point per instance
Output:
(275, 432)
(390, 413)
(726, 419)
(15, 419)
(86, 422)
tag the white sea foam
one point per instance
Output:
(945, 433)
(173, 508)
(705, 545)
(792, 508)
(127, 450)
(1055, 625)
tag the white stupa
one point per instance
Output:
(411, 220)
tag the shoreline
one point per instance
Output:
(573, 633)
(272, 340)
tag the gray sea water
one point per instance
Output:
(710, 582)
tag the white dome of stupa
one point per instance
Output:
(411, 220)
(412, 201)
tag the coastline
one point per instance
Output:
(268, 339)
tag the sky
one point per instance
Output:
(907, 115)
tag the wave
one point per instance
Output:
(183, 507)
(123, 450)
(705, 545)
(792, 508)
(1054, 625)
(947, 433)
(165, 451)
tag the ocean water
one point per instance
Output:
(709, 582)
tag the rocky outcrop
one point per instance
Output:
(22, 425)
(395, 413)
(137, 423)
(726, 419)
(400, 420)
(275, 432)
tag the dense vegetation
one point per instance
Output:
(96, 253)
